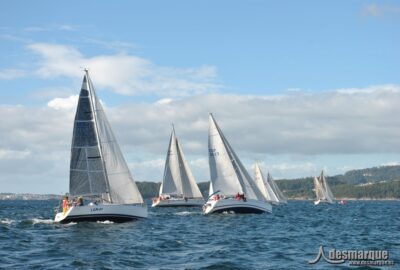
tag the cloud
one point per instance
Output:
(64, 103)
(10, 74)
(379, 10)
(343, 122)
(48, 28)
(123, 73)
(14, 154)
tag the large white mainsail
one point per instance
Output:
(228, 175)
(178, 178)
(97, 166)
(263, 185)
(275, 188)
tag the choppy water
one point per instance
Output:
(183, 238)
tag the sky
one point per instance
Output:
(296, 86)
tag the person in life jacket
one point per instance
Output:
(65, 204)
(237, 197)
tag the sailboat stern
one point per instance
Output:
(103, 212)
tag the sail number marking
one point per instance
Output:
(213, 152)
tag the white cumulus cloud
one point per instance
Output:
(124, 73)
(258, 128)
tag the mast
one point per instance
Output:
(92, 96)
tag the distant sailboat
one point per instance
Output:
(231, 188)
(275, 188)
(264, 186)
(268, 187)
(322, 190)
(179, 188)
(98, 172)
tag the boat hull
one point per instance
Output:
(322, 201)
(237, 206)
(178, 203)
(102, 212)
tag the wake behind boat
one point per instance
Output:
(235, 190)
(179, 188)
(322, 190)
(100, 182)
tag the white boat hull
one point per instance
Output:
(236, 206)
(322, 201)
(178, 203)
(103, 212)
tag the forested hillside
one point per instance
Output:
(372, 183)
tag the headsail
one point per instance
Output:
(97, 165)
(227, 172)
(328, 193)
(263, 185)
(275, 188)
(190, 188)
(178, 178)
(171, 181)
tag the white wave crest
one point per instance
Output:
(105, 222)
(70, 224)
(184, 213)
(6, 221)
(42, 221)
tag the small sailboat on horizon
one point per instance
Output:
(268, 187)
(231, 187)
(323, 192)
(100, 179)
(178, 188)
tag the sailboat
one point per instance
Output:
(322, 190)
(231, 188)
(281, 198)
(264, 186)
(99, 175)
(178, 188)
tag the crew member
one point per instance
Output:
(65, 204)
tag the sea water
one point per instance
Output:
(184, 238)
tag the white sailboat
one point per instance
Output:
(281, 198)
(265, 185)
(322, 190)
(179, 188)
(231, 188)
(98, 171)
